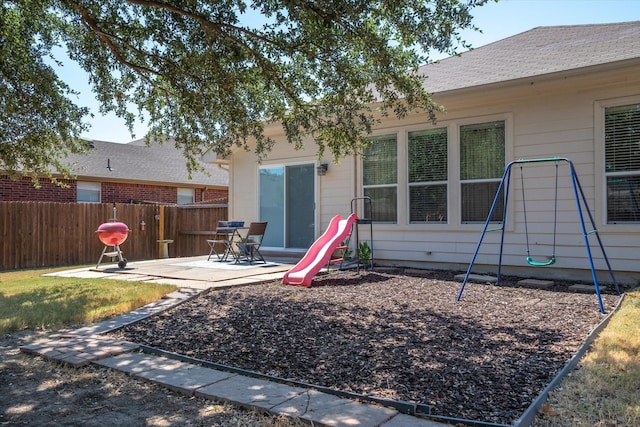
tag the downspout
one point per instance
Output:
(318, 203)
(229, 186)
(354, 177)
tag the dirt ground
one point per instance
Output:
(35, 392)
(336, 333)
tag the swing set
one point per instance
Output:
(580, 203)
(552, 258)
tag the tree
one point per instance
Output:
(38, 122)
(211, 74)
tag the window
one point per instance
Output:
(428, 176)
(88, 192)
(380, 178)
(186, 196)
(622, 163)
(482, 157)
(287, 202)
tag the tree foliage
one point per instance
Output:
(212, 74)
(38, 122)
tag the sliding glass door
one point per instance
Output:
(287, 201)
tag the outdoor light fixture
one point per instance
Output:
(322, 169)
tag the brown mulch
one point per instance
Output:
(390, 335)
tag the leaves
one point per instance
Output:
(547, 410)
(211, 74)
(38, 121)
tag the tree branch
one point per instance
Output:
(203, 20)
(92, 24)
(218, 27)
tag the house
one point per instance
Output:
(126, 173)
(562, 91)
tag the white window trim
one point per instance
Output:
(405, 150)
(191, 191)
(316, 184)
(403, 176)
(402, 217)
(600, 208)
(91, 186)
(454, 163)
(453, 178)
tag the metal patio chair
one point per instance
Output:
(250, 244)
(221, 239)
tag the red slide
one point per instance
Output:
(320, 252)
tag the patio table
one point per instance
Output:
(228, 236)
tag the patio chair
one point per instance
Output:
(221, 239)
(250, 246)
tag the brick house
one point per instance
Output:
(126, 173)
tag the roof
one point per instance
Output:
(537, 52)
(137, 162)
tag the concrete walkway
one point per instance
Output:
(194, 276)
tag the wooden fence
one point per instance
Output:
(44, 234)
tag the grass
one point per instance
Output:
(29, 300)
(603, 390)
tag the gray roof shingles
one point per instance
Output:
(137, 162)
(537, 52)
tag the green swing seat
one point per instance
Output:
(535, 263)
(552, 259)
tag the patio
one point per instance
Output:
(189, 272)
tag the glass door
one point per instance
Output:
(287, 202)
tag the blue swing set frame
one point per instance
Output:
(580, 202)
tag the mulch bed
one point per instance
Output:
(390, 335)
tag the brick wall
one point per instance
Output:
(211, 196)
(126, 193)
(23, 190)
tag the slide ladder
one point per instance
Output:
(320, 252)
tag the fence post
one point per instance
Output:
(160, 230)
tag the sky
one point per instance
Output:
(496, 20)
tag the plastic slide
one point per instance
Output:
(320, 252)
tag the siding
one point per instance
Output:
(333, 191)
(556, 116)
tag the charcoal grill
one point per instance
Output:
(113, 234)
